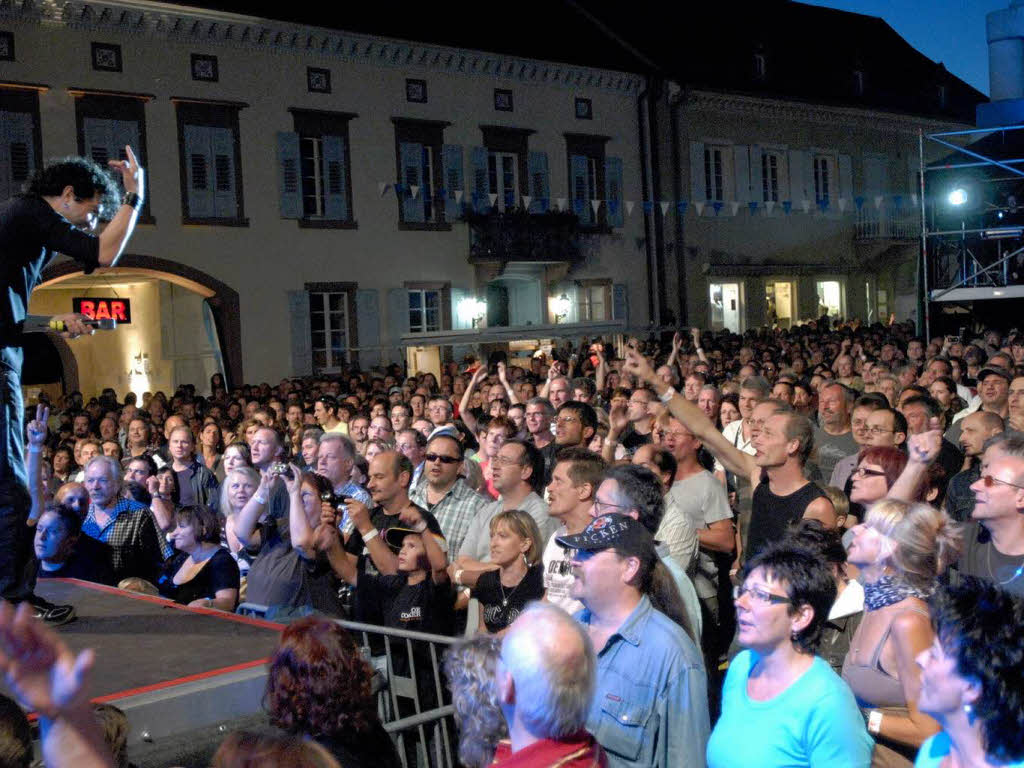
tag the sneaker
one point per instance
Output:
(50, 613)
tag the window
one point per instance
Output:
(315, 182)
(19, 139)
(714, 173)
(822, 179)
(211, 169)
(499, 168)
(771, 167)
(941, 95)
(106, 124)
(329, 329)
(588, 179)
(503, 179)
(429, 175)
(830, 298)
(858, 82)
(424, 311)
(760, 66)
(593, 300)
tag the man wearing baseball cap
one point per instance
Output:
(650, 706)
(993, 391)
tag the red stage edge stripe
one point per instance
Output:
(179, 681)
(263, 623)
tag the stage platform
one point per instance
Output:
(182, 675)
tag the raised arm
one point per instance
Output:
(384, 560)
(513, 398)
(677, 343)
(435, 555)
(618, 420)
(695, 334)
(36, 432)
(299, 529)
(922, 451)
(115, 235)
(464, 411)
(327, 539)
(254, 509)
(601, 372)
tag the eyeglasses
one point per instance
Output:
(601, 506)
(759, 594)
(442, 459)
(876, 430)
(566, 419)
(989, 481)
(867, 472)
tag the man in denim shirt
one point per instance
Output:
(650, 706)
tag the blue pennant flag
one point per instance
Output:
(681, 207)
(399, 189)
(442, 193)
(543, 203)
(613, 206)
(717, 205)
(859, 201)
(753, 207)
(823, 204)
(578, 206)
(648, 206)
(787, 206)
(898, 200)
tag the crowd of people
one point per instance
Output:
(794, 547)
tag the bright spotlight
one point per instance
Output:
(958, 196)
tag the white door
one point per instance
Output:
(726, 306)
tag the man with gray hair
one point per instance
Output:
(124, 525)
(545, 683)
(335, 456)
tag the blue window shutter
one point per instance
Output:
(335, 173)
(613, 190)
(756, 180)
(368, 326)
(578, 187)
(846, 179)
(451, 159)
(398, 319)
(741, 172)
(620, 302)
(289, 175)
(411, 156)
(126, 133)
(302, 347)
(98, 135)
(698, 189)
(199, 171)
(225, 195)
(19, 150)
(540, 182)
(481, 189)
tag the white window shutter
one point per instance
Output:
(741, 172)
(698, 190)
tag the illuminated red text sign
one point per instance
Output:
(103, 309)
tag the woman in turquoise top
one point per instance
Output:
(783, 706)
(971, 679)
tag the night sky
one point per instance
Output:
(950, 31)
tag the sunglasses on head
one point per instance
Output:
(442, 459)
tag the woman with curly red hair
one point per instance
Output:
(319, 686)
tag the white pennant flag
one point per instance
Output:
(382, 187)
(526, 201)
(415, 190)
(913, 199)
(769, 206)
(493, 196)
(458, 196)
(664, 208)
(595, 204)
(735, 207)
(842, 204)
(878, 201)
(561, 203)
(700, 208)
(629, 207)
(806, 205)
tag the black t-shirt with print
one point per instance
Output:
(503, 604)
(424, 607)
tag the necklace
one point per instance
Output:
(505, 598)
(991, 573)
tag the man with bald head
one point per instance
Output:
(544, 683)
(559, 392)
(975, 430)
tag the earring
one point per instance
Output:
(525, 561)
(969, 711)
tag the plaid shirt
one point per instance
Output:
(136, 546)
(454, 511)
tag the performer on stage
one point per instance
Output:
(59, 208)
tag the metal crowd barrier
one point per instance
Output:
(424, 739)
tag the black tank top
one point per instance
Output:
(771, 515)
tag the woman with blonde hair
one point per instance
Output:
(503, 592)
(901, 549)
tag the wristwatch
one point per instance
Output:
(133, 199)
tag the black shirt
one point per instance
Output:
(771, 515)
(503, 604)
(424, 607)
(89, 561)
(370, 749)
(632, 440)
(382, 521)
(219, 572)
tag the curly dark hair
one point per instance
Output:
(318, 683)
(84, 176)
(979, 625)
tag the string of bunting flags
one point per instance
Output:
(843, 204)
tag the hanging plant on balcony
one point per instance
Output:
(517, 235)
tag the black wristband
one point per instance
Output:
(133, 199)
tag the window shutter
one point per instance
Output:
(18, 150)
(451, 160)
(335, 174)
(198, 171)
(302, 350)
(613, 191)
(756, 182)
(540, 182)
(288, 174)
(798, 167)
(225, 198)
(478, 166)
(620, 301)
(398, 319)
(845, 179)
(411, 156)
(368, 326)
(698, 189)
(126, 133)
(741, 172)
(578, 185)
(98, 135)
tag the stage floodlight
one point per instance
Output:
(957, 196)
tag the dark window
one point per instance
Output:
(6, 45)
(19, 139)
(586, 157)
(316, 185)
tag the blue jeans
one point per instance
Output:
(17, 562)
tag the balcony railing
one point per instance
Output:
(886, 223)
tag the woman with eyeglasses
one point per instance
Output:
(901, 549)
(783, 705)
(971, 679)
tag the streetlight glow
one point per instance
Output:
(958, 196)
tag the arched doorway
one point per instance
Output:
(220, 304)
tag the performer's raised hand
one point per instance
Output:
(132, 174)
